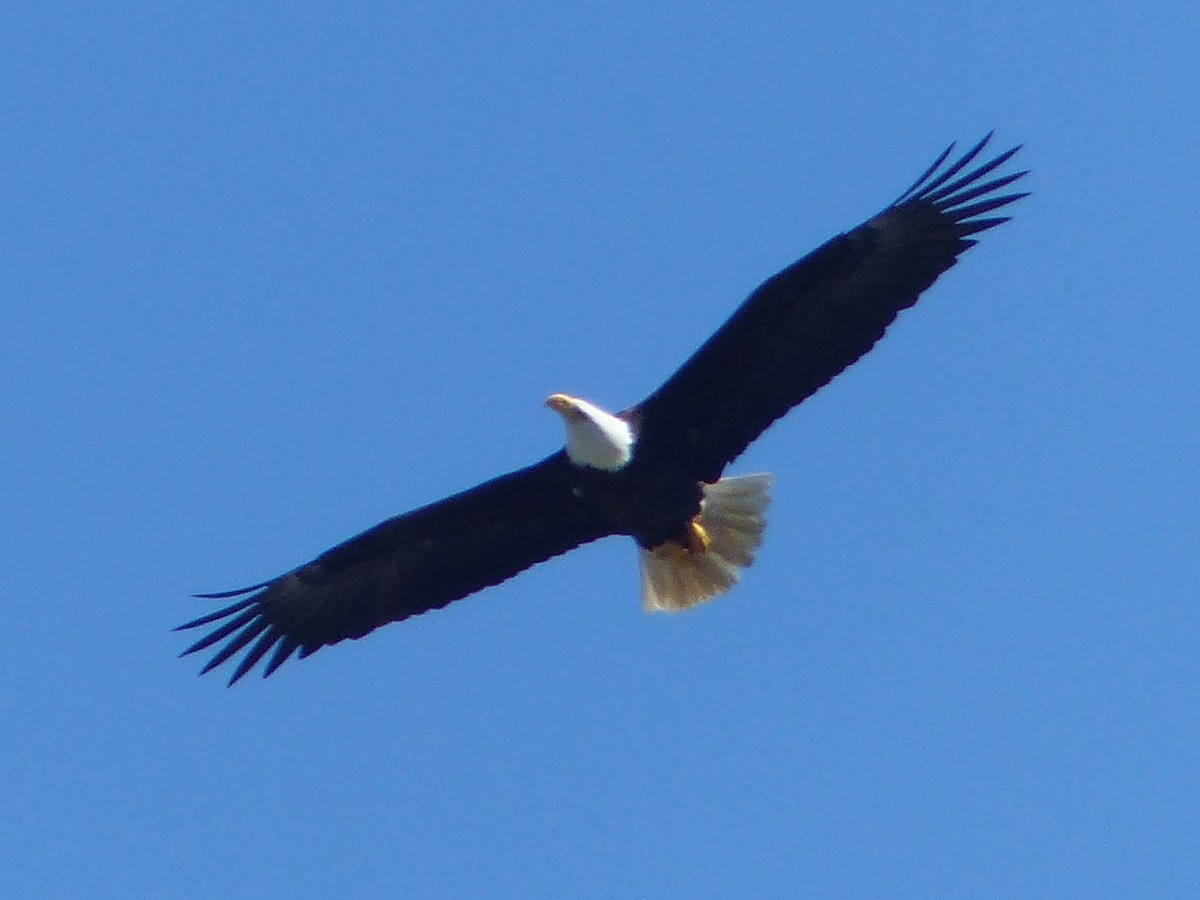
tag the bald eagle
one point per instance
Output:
(655, 471)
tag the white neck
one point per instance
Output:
(598, 438)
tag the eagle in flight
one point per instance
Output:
(654, 471)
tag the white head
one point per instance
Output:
(594, 437)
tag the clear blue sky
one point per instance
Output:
(270, 275)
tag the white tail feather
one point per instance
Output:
(733, 516)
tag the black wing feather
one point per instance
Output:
(410, 564)
(811, 321)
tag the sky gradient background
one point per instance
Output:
(271, 275)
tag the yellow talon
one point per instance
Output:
(694, 540)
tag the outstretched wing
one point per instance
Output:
(410, 564)
(806, 324)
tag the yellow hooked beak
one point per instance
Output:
(561, 403)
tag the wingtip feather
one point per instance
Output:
(941, 187)
(236, 592)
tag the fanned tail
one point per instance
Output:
(731, 523)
